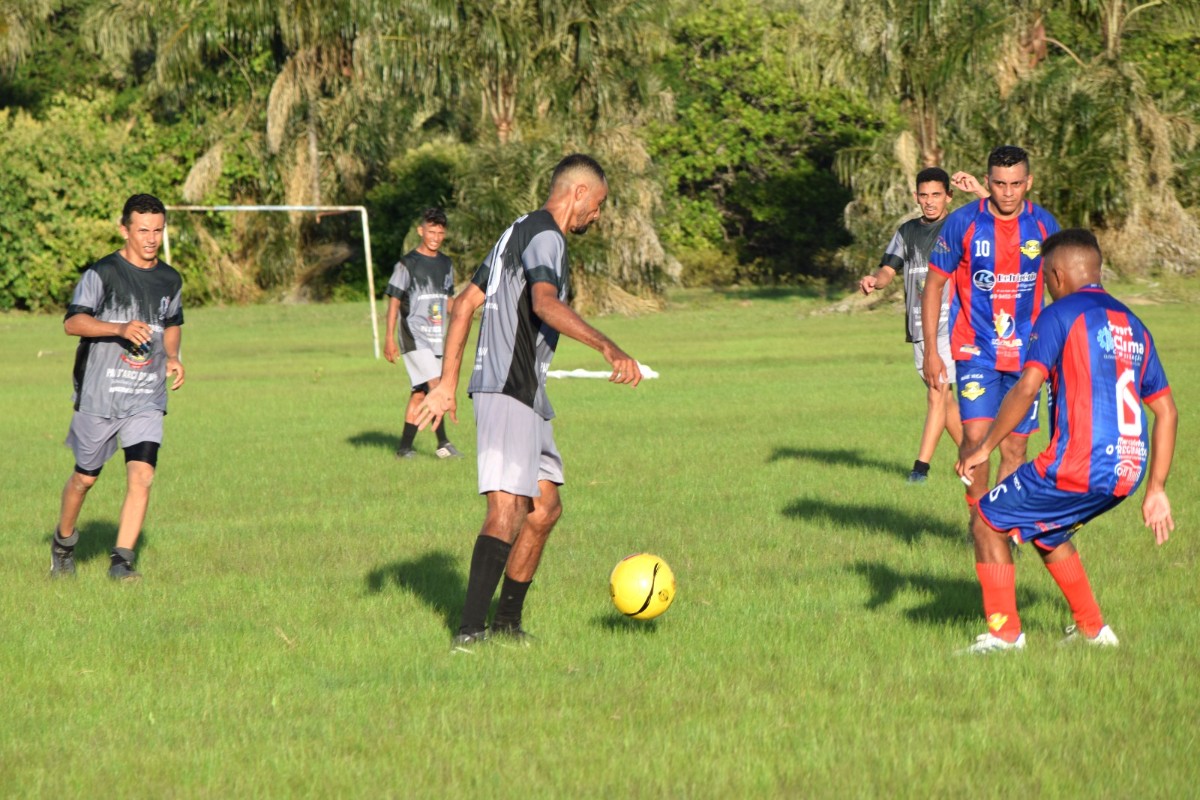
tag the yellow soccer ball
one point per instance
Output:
(642, 586)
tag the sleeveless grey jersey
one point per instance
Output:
(113, 378)
(515, 347)
(908, 254)
(422, 284)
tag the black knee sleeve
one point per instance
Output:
(421, 388)
(142, 451)
(89, 472)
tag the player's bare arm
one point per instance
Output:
(135, 331)
(558, 315)
(442, 399)
(967, 182)
(172, 337)
(391, 350)
(1156, 508)
(1012, 410)
(931, 311)
(881, 278)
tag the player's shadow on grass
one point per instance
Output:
(949, 599)
(96, 540)
(384, 441)
(905, 526)
(828, 457)
(433, 577)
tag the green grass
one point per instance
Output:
(290, 637)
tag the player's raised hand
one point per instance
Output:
(966, 182)
(1156, 512)
(438, 402)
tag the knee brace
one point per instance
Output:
(142, 451)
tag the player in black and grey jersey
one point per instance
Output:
(127, 313)
(522, 286)
(419, 298)
(908, 253)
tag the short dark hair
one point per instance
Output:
(578, 161)
(1075, 238)
(434, 215)
(142, 204)
(930, 174)
(1007, 155)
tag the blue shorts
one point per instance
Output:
(980, 390)
(1031, 508)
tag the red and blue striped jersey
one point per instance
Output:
(1102, 364)
(996, 269)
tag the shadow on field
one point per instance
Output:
(386, 441)
(433, 578)
(904, 526)
(96, 540)
(619, 623)
(847, 458)
(949, 599)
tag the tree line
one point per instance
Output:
(747, 141)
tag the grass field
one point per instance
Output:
(290, 637)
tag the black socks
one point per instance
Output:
(487, 566)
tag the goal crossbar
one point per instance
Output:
(366, 231)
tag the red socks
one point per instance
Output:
(999, 584)
(1072, 579)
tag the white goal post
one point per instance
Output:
(366, 230)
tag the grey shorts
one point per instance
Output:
(93, 439)
(943, 351)
(515, 446)
(423, 366)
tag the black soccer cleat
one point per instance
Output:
(468, 642)
(62, 556)
(512, 636)
(121, 568)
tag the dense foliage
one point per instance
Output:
(748, 141)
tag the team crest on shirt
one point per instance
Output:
(1004, 324)
(435, 313)
(996, 621)
(1031, 249)
(973, 391)
(137, 355)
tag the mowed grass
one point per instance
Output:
(290, 637)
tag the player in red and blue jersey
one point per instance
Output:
(991, 250)
(1102, 366)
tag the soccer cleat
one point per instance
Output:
(405, 452)
(122, 567)
(467, 642)
(448, 451)
(512, 636)
(1103, 638)
(917, 477)
(62, 559)
(987, 643)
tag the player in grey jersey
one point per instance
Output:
(127, 314)
(522, 285)
(908, 253)
(419, 300)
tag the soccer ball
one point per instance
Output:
(642, 586)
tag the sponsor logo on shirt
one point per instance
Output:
(1114, 339)
(969, 349)
(973, 391)
(1031, 249)
(940, 246)
(1004, 324)
(984, 280)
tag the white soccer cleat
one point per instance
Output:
(987, 643)
(1104, 638)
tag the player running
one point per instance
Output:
(992, 251)
(522, 285)
(1102, 366)
(419, 297)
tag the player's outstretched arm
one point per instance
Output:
(877, 280)
(931, 310)
(442, 399)
(558, 315)
(1156, 508)
(172, 338)
(1013, 409)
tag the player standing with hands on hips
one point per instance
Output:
(908, 253)
(1102, 366)
(522, 286)
(992, 250)
(127, 312)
